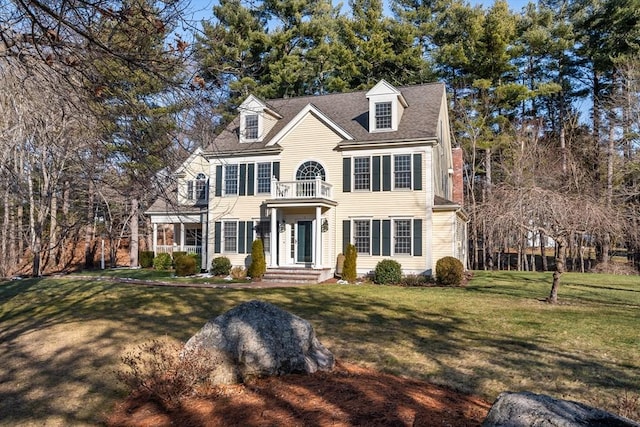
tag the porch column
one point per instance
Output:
(182, 236)
(204, 250)
(317, 254)
(273, 262)
(155, 239)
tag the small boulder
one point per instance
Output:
(527, 409)
(260, 339)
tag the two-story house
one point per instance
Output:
(308, 175)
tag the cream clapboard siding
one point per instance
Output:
(313, 140)
(195, 165)
(444, 224)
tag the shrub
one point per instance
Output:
(414, 280)
(146, 259)
(198, 259)
(349, 272)
(176, 255)
(388, 271)
(449, 271)
(258, 265)
(162, 262)
(220, 266)
(238, 272)
(186, 266)
(166, 372)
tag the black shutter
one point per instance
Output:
(386, 173)
(243, 180)
(386, 237)
(241, 237)
(218, 180)
(417, 237)
(346, 174)
(276, 170)
(346, 235)
(417, 171)
(251, 177)
(375, 237)
(249, 236)
(376, 173)
(217, 237)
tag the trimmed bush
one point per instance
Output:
(162, 262)
(349, 272)
(388, 272)
(449, 271)
(146, 259)
(258, 265)
(220, 266)
(186, 266)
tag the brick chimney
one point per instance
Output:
(458, 185)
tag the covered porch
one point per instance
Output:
(299, 215)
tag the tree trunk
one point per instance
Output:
(543, 252)
(133, 245)
(560, 253)
(88, 234)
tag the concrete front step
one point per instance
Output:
(294, 275)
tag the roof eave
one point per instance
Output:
(356, 145)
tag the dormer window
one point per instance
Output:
(386, 105)
(251, 129)
(383, 115)
(256, 120)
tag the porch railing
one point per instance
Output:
(170, 249)
(309, 189)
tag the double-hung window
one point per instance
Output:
(402, 237)
(230, 236)
(251, 126)
(361, 173)
(190, 190)
(402, 171)
(201, 187)
(362, 236)
(231, 179)
(383, 115)
(264, 177)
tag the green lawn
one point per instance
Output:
(65, 335)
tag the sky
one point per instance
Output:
(201, 9)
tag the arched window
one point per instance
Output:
(309, 170)
(201, 187)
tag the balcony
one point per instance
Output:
(309, 189)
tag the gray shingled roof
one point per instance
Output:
(350, 112)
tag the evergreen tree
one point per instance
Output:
(136, 106)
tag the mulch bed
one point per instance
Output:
(350, 395)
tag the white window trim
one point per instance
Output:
(393, 172)
(393, 235)
(353, 173)
(353, 234)
(257, 186)
(224, 180)
(223, 248)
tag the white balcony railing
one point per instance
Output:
(170, 249)
(309, 189)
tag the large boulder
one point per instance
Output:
(527, 409)
(259, 339)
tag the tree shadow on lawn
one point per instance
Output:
(61, 344)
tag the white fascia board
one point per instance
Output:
(309, 109)
(197, 152)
